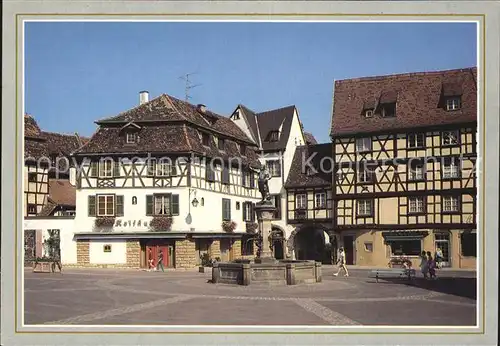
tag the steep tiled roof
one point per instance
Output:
(418, 98)
(61, 192)
(31, 128)
(252, 121)
(272, 121)
(298, 177)
(61, 144)
(310, 138)
(166, 108)
(166, 125)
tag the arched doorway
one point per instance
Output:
(277, 239)
(310, 244)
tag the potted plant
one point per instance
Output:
(104, 222)
(251, 227)
(160, 223)
(229, 226)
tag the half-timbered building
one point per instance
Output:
(49, 191)
(405, 150)
(165, 176)
(309, 203)
(276, 133)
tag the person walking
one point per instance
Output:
(341, 263)
(150, 260)
(424, 268)
(431, 264)
(439, 258)
(160, 261)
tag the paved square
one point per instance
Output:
(102, 296)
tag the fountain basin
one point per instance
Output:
(272, 272)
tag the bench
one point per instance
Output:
(401, 273)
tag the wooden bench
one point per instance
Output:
(401, 273)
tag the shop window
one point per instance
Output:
(406, 247)
(468, 242)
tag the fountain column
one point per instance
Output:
(265, 211)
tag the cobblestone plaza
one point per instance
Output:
(115, 297)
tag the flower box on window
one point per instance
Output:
(251, 227)
(228, 226)
(104, 222)
(161, 223)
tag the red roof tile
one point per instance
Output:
(418, 98)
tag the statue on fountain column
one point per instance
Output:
(264, 177)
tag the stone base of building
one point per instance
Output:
(377, 247)
(179, 252)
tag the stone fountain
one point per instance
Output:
(265, 269)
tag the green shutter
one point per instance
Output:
(116, 169)
(175, 205)
(91, 205)
(94, 169)
(244, 211)
(278, 167)
(252, 209)
(252, 180)
(151, 166)
(119, 206)
(229, 209)
(149, 205)
(173, 168)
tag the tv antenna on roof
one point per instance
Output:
(188, 86)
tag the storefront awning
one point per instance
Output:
(404, 235)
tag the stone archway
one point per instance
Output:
(312, 242)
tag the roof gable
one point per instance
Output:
(417, 97)
(318, 153)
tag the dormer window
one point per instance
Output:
(274, 136)
(453, 103)
(131, 137)
(205, 139)
(388, 110)
(369, 113)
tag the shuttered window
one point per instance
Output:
(225, 175)
(209, 172)
(105, 205)
(248, 212)
(119, 206)
(226, 209)
(162, 204)
(91, 205)
(116, 169)
(151, 167)
(94, 169)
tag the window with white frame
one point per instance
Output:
(416, 204)
(453, 103)
(105, 205)
(365, 207)
(106, 169)
(363, 144)
(320, 200)
(301, 201)
(450, 203)
(274, 168)
(365, 176)
(451, 169)
(247, 211)
(416, 140)
(164, 168)
(162, 204)
(417, 171)
(369, 113)
(449, 138)
(131, 137)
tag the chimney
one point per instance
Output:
(201, 108)
(143, 97)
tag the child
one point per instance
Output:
(432, 265)
(424, 264)
(439, 258)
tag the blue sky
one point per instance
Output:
(76, 73)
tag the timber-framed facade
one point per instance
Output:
(404, 181)
(165, 177)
